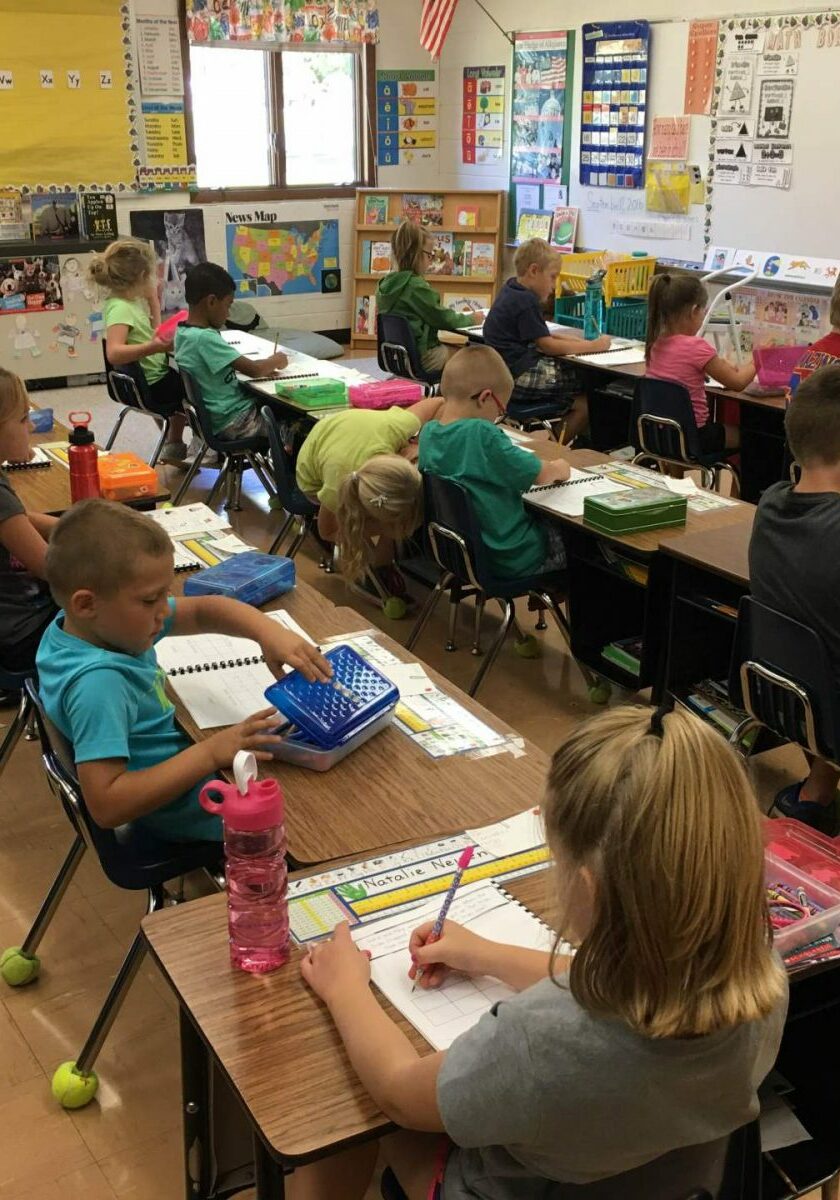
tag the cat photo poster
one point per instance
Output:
(178, 238)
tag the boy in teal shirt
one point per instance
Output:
(213, 362)
(464, 444)
(111, 570)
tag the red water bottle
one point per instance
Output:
(82, 456)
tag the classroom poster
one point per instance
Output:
(738, 81)
(158, 43)
(273, 258)
(700, 67)
(406, 116)
(315, 21)
(31, 284)
(774, 108)
(539, 106)
(669, 138)
(483, 115)
(165, 163)
(614, 104)
(178, 240)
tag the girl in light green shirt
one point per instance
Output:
(127, 270)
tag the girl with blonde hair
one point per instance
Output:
(26, 607)
(384, 500)
(406, 293)
(127, 270)
(624, 1068)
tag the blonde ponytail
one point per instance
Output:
(122, 266)
(387, 491)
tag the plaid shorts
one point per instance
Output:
(248, 424)
(549, 378)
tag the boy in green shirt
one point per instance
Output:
(213, 362)
(464, 444)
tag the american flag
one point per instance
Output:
(434, 24)
(554, 76)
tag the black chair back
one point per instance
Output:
(781, 674)
(130, 857)
(126, 384)
(454, 532)
(289, 494)
(201, 421)
(664, 422)
(396, 349)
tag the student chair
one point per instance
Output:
(15, 681)
(666, 431)
(458, 549)
(127, 387)
(541, 414)
(781, 675)
(396, 351)
(296, 506)
(131, 859)
(237, 455)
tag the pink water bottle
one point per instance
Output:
(252, 811)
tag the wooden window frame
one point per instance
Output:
(365, 114)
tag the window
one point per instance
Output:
(286, 121)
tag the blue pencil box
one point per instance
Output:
(330, 715)
(251, 577)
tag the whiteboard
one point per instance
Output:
(802, 220)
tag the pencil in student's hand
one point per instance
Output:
(437, 928)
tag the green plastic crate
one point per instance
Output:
(627, 319)
(568, 310)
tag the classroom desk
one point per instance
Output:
(390, 790)
(47, 489)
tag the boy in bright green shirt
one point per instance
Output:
(465, 445)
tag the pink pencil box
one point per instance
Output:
(166, 330)
(385, 393)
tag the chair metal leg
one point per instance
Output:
(217, 486)
(284, 529)
(164, 433)
(116, 995)
(429, 606)
(121, 416)
(191, 474)
(736, 737)
(509, 614)
(261, 473)
(15, 729)
(566, 633)
(53, 897)
(454, 605)
(480, 601)
(541, 621)
(299, 539)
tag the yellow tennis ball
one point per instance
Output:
(529, 647)
(71, 1089)
(18, 968)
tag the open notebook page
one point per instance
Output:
(442, 1014)
(567, 497)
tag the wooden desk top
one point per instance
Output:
(390, 790)
(723, 551)
(273, 1038)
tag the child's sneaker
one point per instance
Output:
(822, 817)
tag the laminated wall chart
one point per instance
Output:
(483, 119)
(406, 116)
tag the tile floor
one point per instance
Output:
(126, 1145)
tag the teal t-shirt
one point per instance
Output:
(114, 705)
(135, 314)
(495, 472)
(209, 359)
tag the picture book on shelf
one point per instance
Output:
(461, 256)
(483, 259)
(13, 228)
(564, 229)
(99, 213)
(360, 323)
(466, 304)
(365, 255)
(466, 215)
(423, 209)
(442, 250)
(380, 258)
(375, 211)
(533, 223)
(55, 217)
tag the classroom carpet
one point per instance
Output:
(127, 1144)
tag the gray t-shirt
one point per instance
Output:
(540, 1090)
(24, 600)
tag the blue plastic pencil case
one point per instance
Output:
(251, 577)
(329, 715)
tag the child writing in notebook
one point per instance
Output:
(465, 444)
(674, 351)
(26, 607)
(629, 1063)
(126, 270)
(213, 362)
(111, 570)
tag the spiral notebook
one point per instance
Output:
(38, 459)
(567, 497)
(220, 680)
(442, 1014)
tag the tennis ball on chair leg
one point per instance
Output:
(71, 1089)
(18, 968)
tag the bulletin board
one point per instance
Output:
(66, 103)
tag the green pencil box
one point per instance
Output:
(331, 393)
(633, 510)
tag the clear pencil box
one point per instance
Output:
(332, 719)
(251, 577)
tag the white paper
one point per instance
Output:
(159, 55)
(37, 456)
(442, 1014)
(744, 41)
(189, 520)
(738, 83)
(515, 835)
(613, 358)
(777, 63)
(774, 108)
(409, 678)
(225, 697)
(181, 651)
(567, 498)
(230, 544)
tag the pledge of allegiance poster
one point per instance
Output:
(539, 106)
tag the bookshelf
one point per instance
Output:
(469, 255)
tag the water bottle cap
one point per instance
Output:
(250, 805)
(81, 435)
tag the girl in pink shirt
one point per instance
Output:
(673, 351)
